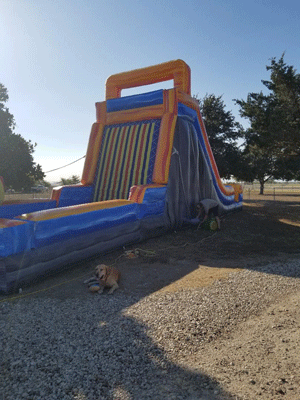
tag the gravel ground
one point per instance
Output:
(127, 347)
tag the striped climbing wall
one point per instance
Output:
(127, 157)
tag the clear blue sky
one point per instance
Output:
(57, 54)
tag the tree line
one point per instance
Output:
(268, 149)
(17, 166)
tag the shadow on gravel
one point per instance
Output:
(96, 350)
(138, 369)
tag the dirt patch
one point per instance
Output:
(260, 359)
(200, 277)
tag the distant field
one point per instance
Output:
(272, 191)
(28, 196)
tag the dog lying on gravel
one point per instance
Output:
(105, 276)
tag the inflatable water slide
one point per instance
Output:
(148, 163)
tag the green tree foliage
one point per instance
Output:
(223, 132)
(16, 154)
(7, 122)
(259, 155)
(256, 164)
(272, 143)
(284, 85)
(70, 181)
(46, 184)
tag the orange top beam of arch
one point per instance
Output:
(177, 70)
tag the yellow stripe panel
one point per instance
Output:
(128, 166)
(109, 166)
(141, 179)
(124, 156)
(140, 152)
(73, 210)
(124, 160)
(120, 156)
(106, 145)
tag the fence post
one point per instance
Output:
(273, 193)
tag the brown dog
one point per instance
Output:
(107, 277)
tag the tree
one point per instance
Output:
(70, 181)
(16, 154)
(284, 85)
(258, 155)
(272, 143)
(7, 122)
(47, 184)
(255, 163)
(223, 132)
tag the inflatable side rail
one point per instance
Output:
(177, 70)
